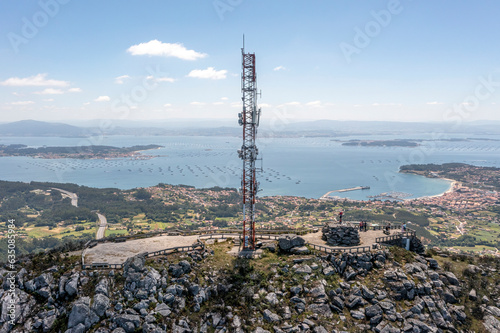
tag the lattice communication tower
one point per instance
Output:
(249, 119)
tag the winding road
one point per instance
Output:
(102, 226)
(74, 202)
(67, 194)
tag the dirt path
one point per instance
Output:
(117, 253)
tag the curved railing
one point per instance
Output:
(170, 250)
(197, 232)
(268, 235)
(407, 234)
(337, 250)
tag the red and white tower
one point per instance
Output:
(249, 119)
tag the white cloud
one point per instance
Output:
(157, 48)
(121, 79)
(102, 99)
(86, 103)
(22, 103)
(386, 104)
(224, 98)
(160, 79)
(74, 90)
(197, 103)
(48, 100)
(279, 68)
(165, 79)
(314, 103)
(218, 103)
(265, 105)
(290, 104)
(38, 80)
(434, 103)
(50, 91)
(209, 73)
(167, 105)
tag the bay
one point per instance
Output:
(307, 167)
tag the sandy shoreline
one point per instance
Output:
(450, 189)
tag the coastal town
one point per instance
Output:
(465, 218)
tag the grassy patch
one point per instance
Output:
(39, 232)
(401, 255)
(109, 232)
(221, 260)
(476, 248)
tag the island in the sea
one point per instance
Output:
(381, 143)
(80, 152)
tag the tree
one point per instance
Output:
(142, 194)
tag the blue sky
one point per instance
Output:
(343, 60)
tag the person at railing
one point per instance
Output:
(403, 227)
(388, 228)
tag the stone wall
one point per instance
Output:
(340, 235)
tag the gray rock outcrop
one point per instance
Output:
(340, 235)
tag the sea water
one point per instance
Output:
(307, 167)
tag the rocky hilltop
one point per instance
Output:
(386, 290)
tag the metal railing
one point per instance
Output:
(171, 250)
(197, 232)
(383, 227)
(408, 234)
(275, 237)
(337, 250)
(103, 265)
(219, 234)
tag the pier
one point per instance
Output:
(327, 194)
